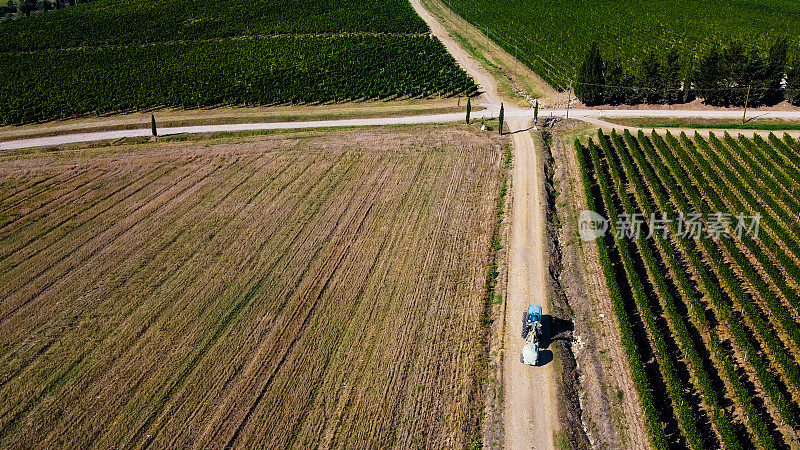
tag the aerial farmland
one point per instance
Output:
(317, 223)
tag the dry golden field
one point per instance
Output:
(308, 289)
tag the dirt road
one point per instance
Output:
(529, 410)
(232, 128)
(487, 83)
(529, 393)
(491, 103)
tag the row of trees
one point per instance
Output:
(729, 76)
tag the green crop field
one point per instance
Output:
(709, 321)
(554, 36)
(109, 56)
(116, 22)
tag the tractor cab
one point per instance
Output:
(532, 320)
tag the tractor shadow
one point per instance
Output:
(553, 329)
(545, 356)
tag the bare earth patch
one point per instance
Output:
(307, 289)
(609, 401)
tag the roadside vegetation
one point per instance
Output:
(298, 289)
(709, 324)
(775, 125)
(111, 56)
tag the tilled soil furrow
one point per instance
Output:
(89, 191)
(135, 330)
(25, 327)
(298, 289)
(65, 370)
(73, 259)
(301, 319)
(42, 243)
(240, 300)
(55, 189)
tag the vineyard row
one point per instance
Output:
(258, 71)
(715, 358)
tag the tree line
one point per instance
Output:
(727, 76)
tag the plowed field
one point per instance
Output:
(312, 289)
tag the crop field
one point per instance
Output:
(312, 289)
(111, 22)
(110, 56)
(553, 37)
(709, 322)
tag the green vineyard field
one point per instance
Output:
(255, 71)
(710, 324)
(553, 37)
(110, 56)
(116, 22)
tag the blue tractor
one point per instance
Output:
(532, 333)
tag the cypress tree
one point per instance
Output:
(502, 114)
(793, 82)
(633, 94)
(686, 94)
(671, 77)
(710, 79)
(9, 9)
(757, 78)
(153, 125)
(736, 78)
(536, 112)
(651, 78)
(615, 92)
(589, 88)
(776, 70)
(469, 108)
(26, 7)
